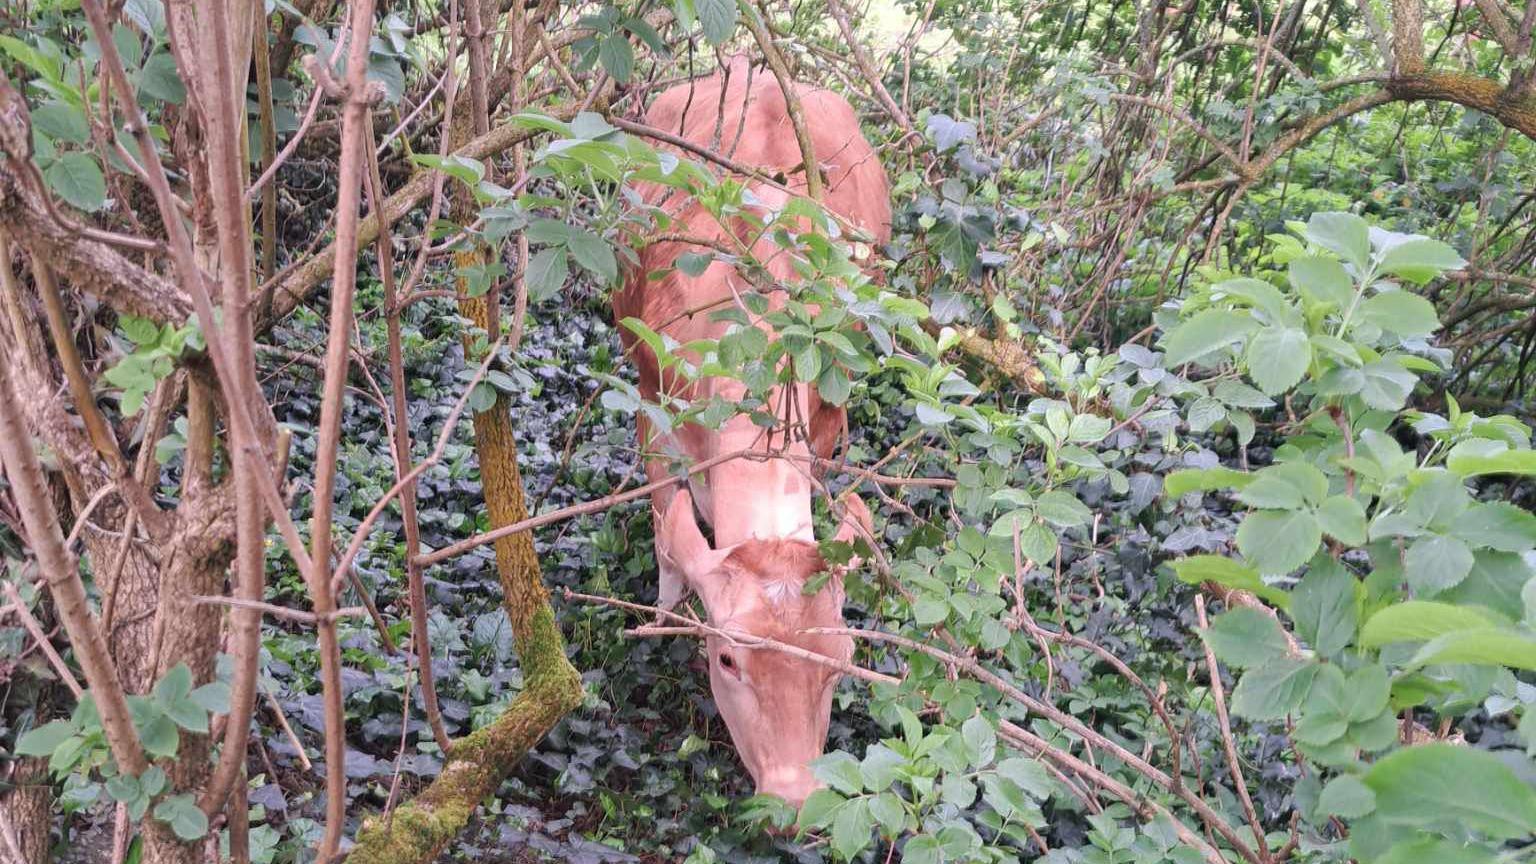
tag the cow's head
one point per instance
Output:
(776, 705)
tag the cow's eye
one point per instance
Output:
(726, 661)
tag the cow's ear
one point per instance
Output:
(857, 524)
(681, 545)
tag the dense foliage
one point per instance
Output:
(1190, 395)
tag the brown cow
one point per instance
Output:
(750, 581)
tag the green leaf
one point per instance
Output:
(1278, 541)
(160, 80)
(819, 808)
(77, 178)
(1485, 646)
(1347, 797)
(1323, 607)
(61, 122)
(1446, 788)
(1497, 525)
(1063, 510)
(1476, 457)
(1435, 563)
(717, 18)
(1433, 850)
(617, 57)
(183, 815)
(175, 686)
(547, 272)
(1323, 278)
(850, 829)
(1366, 693)
(840, 771)
(880, 767)
(1400, 312)
(888, 811)
(1240, 395)
(1277, 358)
(1419, 260)
(1186, 480)
(980, 741)
(1203, 333)
(1222, 570)
(1438, 501)
(693, 263)
(1343, 519)
(922, 849)
(1387, 385)
(594, 253)
(160, 737)
(45, 739)
(1245, 637)
(1419, 621)
(1273, 690)
(1287, 486)
(1342, 233)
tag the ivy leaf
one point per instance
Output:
(1278, 358)
(1245, 637)
(1448, 789)
(1203, 333)
(77, 178)
(1278, 541)
(183, 815)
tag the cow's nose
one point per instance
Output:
(794, 784)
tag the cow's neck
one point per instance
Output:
(762, 499)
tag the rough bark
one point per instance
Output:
(28, 808)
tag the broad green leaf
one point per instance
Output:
(175, 686)
(1240, 395)
(160, 737)
(1203, 333)
(1343, 519)
(1435, 563)
(1222, 570)
(1323, 278)
(1347, 797)
(1278, 541)
(1443, 787)
(1433, 850)
(160, 80)
(1343, 233)
(1262, 296)
(717, 18)
(1387, 385)
(1287, 486)
(1366, 692)
(1419, 260)
(1028, 775)
(1278, 357)
(819, 808)
(1323, 607)
(980, 741)
(1486, 646)
(840, 771)
(1273, 690)
(1063, 510)
(880, 766)
(1400, 312)
(922, 849)
(851, 828)
(547, 272)
(45, 739)
(1438, 501)
(1476, 457)
(1420, 621)
(889, 812)
(61, 121)
(77, 178)
(1186, 480)
(616, 55)
(1497, 525)
(593, 253)
(1245, 637)
(183, 815)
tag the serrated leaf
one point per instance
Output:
(77, 178)
(840, 771)
(1287, 486)
(1436, 562)
(1185, 480)
(1203, 333)
(1222, 570)
(1445, 788)
(593, 253)
(1419, 621)
(1400, 312)
(1277, 358)
(1343, 519)
(1063, 510)
(1278, 541)
(1323, 278)
(1419, 260)
(1343, 233)
(1497, 525)
(980, 741)
(1273, 690)
(44, 739)
(1346, 797)
(1244, 637)
(717, 18)
(547, 272)
(1323, 607)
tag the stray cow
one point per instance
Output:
(750, 580)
